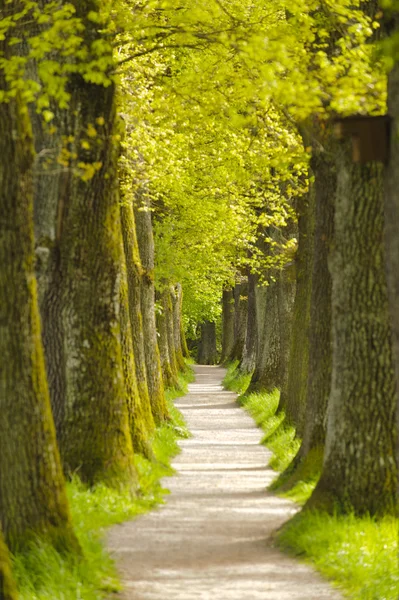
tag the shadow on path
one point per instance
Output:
(212, 540)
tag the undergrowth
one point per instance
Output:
(42, 573)
(360, 555)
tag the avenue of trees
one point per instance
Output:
(161, 165)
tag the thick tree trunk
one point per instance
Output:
(207, 354)
(8, 590)
(308, 462)
(32, 489)
(248, 362)
(155, 380)
(227, 324)
(240, 320)
(80, 305)
(293, 394)
(140, 416)
(392, 224)
(359, 469)
(134, 278)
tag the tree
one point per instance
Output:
(207, 344)
(227, 324)
(359, 469)
(32, 489)
(80, 306)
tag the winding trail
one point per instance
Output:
(212, 540)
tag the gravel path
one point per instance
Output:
(212, 539)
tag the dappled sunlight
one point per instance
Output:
(214, 536)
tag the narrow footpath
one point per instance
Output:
(212, 540)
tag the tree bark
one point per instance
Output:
(81, 302)
(308, 462)
(169, 318)
(207, 345)
(240, 320)
(155, 380)
(177, 298)
(169, 378)
(140, 416)
(359, 470)
(293, 394)
(267, 373)
(391, 207)
(134, 278)
(8, 590)
(248, 362)
(32, 488)
(227, 324)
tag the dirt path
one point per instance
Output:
(212, 539)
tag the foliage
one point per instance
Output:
(360, 555)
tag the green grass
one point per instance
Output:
(359, 554)
(236, 381)
(42, 573)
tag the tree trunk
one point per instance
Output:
(134, 278)
(308, 462)
(8, 590)
(207, 345)
(359, 469)
(240, 320)
(168, 309)
(80, 308)
(293, 394)
(169, 378)
(155, 380)
(177, 298)
(32, 489)
(267, 374)
(140, 416)
(248, 362)
(392, 224)
(227, 325)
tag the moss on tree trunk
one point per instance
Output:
(134, 279)
(140, 416)
(32, 488)
(169, 378)
(81, 302)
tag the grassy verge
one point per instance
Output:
(44, 574)
(360, 555)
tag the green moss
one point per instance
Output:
(359, 554)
